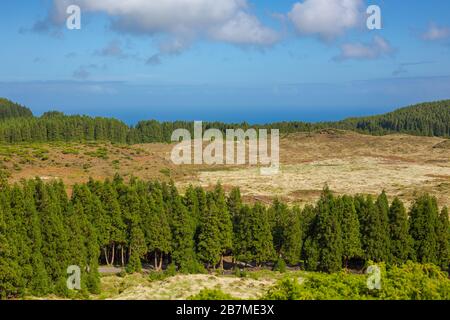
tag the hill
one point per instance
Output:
(19, 125)
(427, 119)
(9, 109)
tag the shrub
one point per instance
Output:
(211, 294)
(411, 281)
(415, 281)
(280, 265)
(285, 289)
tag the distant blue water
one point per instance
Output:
(263, 115)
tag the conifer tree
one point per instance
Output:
(286, 232)
(372, 235)
(310, 250)
(55, 245)
(351, 236)
(183, 231)
(423, 229)
(117, 231)
(19, 235)
(137, 249)
(383, 209)
(329, 234)
(234, 202)
(209, 247)
(443, 238)
(401, 241)
(157, 229)
(225, 222)
(10, 276)
(292, 247)
(78, 255)
(254, 238)
(38, 284)
(191, 202)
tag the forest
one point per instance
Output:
(17, 124)
(43, 230)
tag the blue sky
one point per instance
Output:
(229, 60)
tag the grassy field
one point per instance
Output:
(181, 287)
(348, 162)
(410, 281)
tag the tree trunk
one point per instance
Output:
(113, 253)
(105, 250)
(123, 261)
(156, 260)
(161, 259)
(221, 263)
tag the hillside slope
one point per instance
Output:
(9, 109)
(428, 119)
(19, 125)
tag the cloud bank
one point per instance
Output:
(326, 19)
(222, 20)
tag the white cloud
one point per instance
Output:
(245, 29)
(327, 19)
(436, 32)
(378, 48)
(222, 20)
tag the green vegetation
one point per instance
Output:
(101, 153)
(43, 231)
(17, 124)
(411, 281)
(211, 294)
(9, 110)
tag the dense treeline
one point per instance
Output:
(18, 125)
(426, 119)
(9, 109)
(43, 231)
(54, 126)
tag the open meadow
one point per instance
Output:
(348, 162)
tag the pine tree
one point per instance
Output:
(286, 232)
(225, 223)
(234, 202)
(310, 250)
(372, 235)
(55, 245)
(443, 238)
(209, 247)
(191, 202)
(351, 237)
(78, 254)
(117, 236)
(10, 276)
(90, 213)
(329, 234)
(254, 238)
(293, 243)
(401, 241)
(39, 283)
(137, 249)
(183, 231)
(423, 229)
(383, 207)
(157, 229)
(19, 235)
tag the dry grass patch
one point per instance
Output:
(180, 287)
